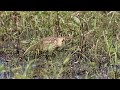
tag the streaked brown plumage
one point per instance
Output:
(47, 43)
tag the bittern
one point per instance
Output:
(46, 44)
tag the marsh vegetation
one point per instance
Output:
(60, 44)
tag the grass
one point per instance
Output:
(92, 53)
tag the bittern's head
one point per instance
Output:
(60, 41)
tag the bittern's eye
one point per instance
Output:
(63, 40)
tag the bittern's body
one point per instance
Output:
(48, 43)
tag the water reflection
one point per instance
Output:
(6, 74)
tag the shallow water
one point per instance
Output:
(7, 74)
